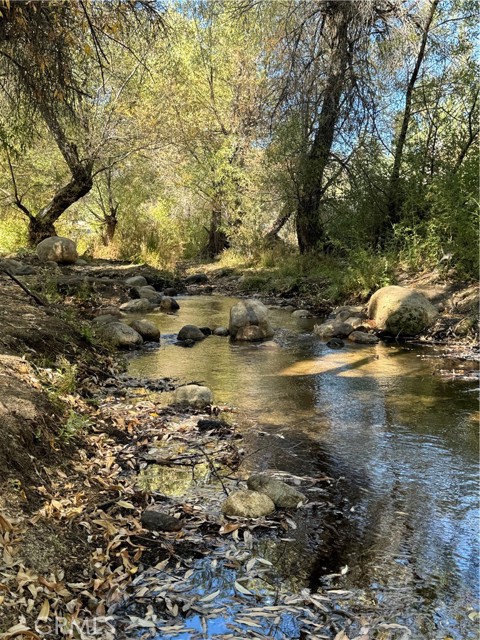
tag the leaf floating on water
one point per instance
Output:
(242, 589)
(210, 597)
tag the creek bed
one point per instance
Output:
(398, 437)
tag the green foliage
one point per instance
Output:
(75, 426)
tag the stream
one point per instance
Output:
(398, 437)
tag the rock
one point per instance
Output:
(185, 343)
(196, 278)
(136, 281)
(280, 493)
(248, 504)
(159, 521)
(401, 311)
(136, 306)
(360, 337)
(121, 335)
(17, 268)
(169, 304)
(170, 292)
(333, 330)
(190, 332)
(81, 262)
(221, 331)
(149, 331)
(354, 321)
(206, 331)
(106, 318)
(57, 249)
(342, 314)
(335, 343)
(249, 321)
(50, 264)
(194, 395)
(154, 297)
(302, 313)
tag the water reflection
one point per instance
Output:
(402, 438)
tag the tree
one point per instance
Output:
(55, 60)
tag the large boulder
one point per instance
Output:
(248, 504)
(194, 395)
(249, 321)
(280, 493)
(149, 331)
(190, 332)
(136, 306)
(120, 335)
(401, 311)
(57, 249)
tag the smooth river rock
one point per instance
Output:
(248, 504)
(193, 395)
(360, 337)
(400, 311)
(121, 335)
(149, 331)
(190, 332)
(249, 321)
(159, 521)
(280, 493)
(136, 306)
(333, 330)
(136, 281)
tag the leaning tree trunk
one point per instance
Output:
(38, 230)
(310, 230)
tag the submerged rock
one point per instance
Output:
(336, 343)
(194, 395)
(159, 521)
(280, 493)
(248, 504)
(401, 311)
(302, 313)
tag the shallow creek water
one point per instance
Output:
(400, 439)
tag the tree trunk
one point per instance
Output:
(277, 226)
(38, 230)
(217, 239)
(394, 193)
(310, 230)
(110, 228)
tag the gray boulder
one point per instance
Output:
(121, 335)
(149, 331)
(280, 493)
(221, 331)
(193, 395)
(360, 337)
(248, 504)
(342, 314)
(190, 332)
(136, 306)
(159, 521)
(401, 311)
(154, 297)
(57, 249)
(196, 278)
(106, 318)
(16, 268)
(249, 321)
(333, 330)
(136, 281)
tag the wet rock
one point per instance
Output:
(194, 395)
(333, 330)
(136, 281)
(335, 343)
(136, 306)
(170, 292)
(57, 249)
(169, 304)
(206, 331)
(360, 337)
(149, 331)
(155, 520)
(401, 311)
(248, 504)
(221, 331)
(249, 321)
(190, 332)
(354, 321)
(154, 297)
(280, 493)
(121, 335)
(302, 313)
(196, 278)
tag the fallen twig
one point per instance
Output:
(37, 298)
